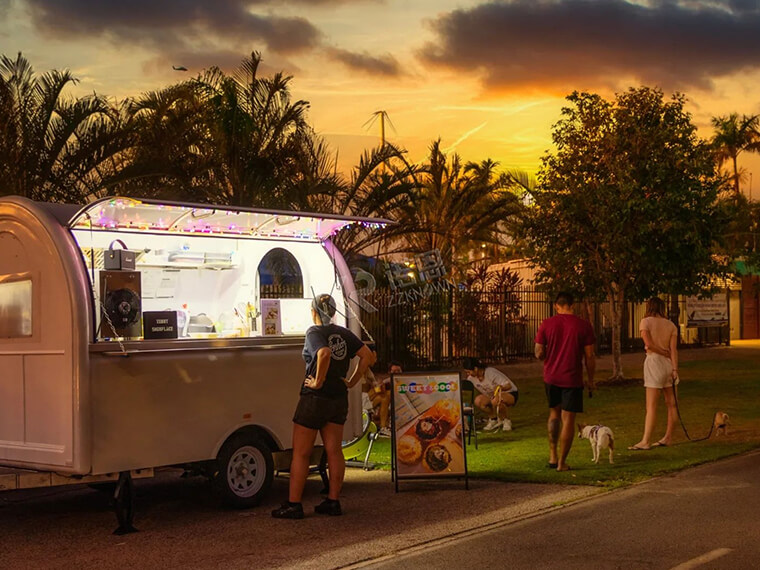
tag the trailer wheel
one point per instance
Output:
(244, 471)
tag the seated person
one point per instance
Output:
(497, 393)
(379, 394)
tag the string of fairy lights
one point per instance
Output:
(136, 216)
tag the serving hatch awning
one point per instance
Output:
(160, 217)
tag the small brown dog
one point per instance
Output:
(721, 423)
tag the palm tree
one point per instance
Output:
(380, 186)
(257, 131)
(734, 135)
(459, 208)
(226, 140)
(312, 175)
(53, 147)
(171, 154)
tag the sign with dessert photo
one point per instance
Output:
(271, 317)
(427, 426)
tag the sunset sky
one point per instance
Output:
(487, 77)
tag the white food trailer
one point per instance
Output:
(136, 334)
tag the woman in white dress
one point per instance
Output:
(660, 371)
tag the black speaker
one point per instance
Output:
(121, 304)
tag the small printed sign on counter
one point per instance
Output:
(271, 317)
(160, 324)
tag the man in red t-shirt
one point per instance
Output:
(562, 342)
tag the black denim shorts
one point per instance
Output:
(314, 412)
(569, 399)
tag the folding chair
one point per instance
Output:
(468, 409)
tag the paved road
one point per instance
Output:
(182, 526)
(707, 517)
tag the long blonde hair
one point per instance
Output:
(655, 308)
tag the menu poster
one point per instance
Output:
(271, 317)
(427, 426)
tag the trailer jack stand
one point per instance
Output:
(124, 503)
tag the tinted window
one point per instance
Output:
(15, 309)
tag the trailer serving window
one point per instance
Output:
(220, 272)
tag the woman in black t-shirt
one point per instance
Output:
(323, 406)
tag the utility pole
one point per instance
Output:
(382, 115)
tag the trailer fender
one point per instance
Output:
(265, 434)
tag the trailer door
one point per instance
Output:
(36, 377)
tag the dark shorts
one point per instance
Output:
(568, 399)
(515, 395)
(314, 412)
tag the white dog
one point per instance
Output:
(601, 437)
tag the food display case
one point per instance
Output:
(138, 333)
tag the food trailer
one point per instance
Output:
(136, 334)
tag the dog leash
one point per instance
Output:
(680, 419)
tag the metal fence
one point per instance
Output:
(281, 291)
(438, 330)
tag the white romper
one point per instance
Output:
(658, 369)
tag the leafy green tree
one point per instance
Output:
(54, 147)
(734, 135)
(626, 205)
(742, 232)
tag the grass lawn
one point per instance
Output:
(726, 379)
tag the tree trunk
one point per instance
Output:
(736, 176)
(616, 298)
(674, 314)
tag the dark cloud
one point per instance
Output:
(174, 24)
(197, 33)
(385, 65)
(744, 6)
(583, 44)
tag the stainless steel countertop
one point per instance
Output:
(190, 344)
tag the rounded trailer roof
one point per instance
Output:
(182, 218)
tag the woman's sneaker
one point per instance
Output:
(507, 425)
(289, 510)
(329, 507)
(493, 424)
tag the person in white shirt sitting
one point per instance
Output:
(497, 394)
